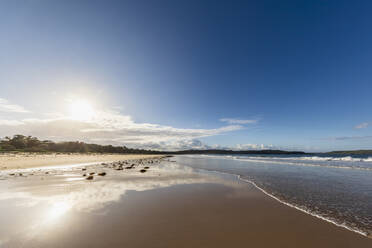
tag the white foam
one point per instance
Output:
(292, 205)
(284, 161)
(311, 158)
(304, 164)
(317, 158)
(304, 210)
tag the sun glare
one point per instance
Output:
(81, 110)
(57, 210)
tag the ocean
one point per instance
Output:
(334, 188)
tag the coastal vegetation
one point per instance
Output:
(350, 153)
(239, 152)
(22, 143)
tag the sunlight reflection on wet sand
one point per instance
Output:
(46, 200)
(167, 206)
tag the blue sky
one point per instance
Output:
(162, 74)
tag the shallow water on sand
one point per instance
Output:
(170, 205)
(338, 189)
(37, 204)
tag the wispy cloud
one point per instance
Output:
(352, 137)
(362, 125)
(239, 121)
(253, 147)
(109, 127)
(6, 106)
(198, 144)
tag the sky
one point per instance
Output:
(170, 75)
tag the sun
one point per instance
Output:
(81, 110)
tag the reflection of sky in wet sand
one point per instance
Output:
(30, 205)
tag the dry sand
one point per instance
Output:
(30, 160)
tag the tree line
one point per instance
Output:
(23, 143)
(32, 144)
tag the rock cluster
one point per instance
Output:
(144, 164)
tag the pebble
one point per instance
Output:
(89, 178)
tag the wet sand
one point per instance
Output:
(29, 160)
(168, 206)
(213, 215)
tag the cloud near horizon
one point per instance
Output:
(6, 106)
(108, 127)
(238, 121)
(195, 144)
(362, 125)
(352, 137)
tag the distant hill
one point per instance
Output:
(353, 152)
(232, 152)
(21, 143)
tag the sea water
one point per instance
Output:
(335, 188)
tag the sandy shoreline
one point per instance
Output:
(168, 206)
(215, 215)
(9, 161)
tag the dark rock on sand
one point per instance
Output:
(146, 168)
(130, 167)
(89, 178)
(83, 169)
(92, 173)
(143, 171)
(102, 174)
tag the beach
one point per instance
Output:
(30, 160)
(168, 205)
(185, 124)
